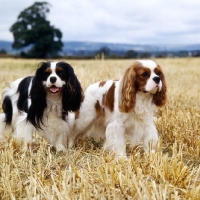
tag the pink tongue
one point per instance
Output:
(54, 89)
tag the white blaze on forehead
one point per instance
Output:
(148, 63)
(53, 66)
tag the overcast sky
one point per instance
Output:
(115, 21)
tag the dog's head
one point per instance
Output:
(149, 76)
(55, 76)
(55, 79)
(143, 76)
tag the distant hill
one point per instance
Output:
(88, 48)
(94, 46)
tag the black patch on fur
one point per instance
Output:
(8, 109)
(72, 91)
(38, 97)
(22, 103)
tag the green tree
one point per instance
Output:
(33, 30)
(131, 54)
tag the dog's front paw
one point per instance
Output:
(71, 142)
(60, 147)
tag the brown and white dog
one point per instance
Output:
(116, 108)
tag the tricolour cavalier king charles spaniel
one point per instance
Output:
(44, 102)
(115, 108)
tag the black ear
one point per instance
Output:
(72, 91)
(38, 98)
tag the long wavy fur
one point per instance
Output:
(38, 97)
(72, 91)
(127, 91)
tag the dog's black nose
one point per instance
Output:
(156, 79)
(53, 79)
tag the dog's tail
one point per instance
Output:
(8, 109)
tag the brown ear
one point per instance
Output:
(127, 90)
(160, 97)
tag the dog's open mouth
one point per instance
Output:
(53, 89)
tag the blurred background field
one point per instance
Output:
(85, 171)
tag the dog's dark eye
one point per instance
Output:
(145, 74)
(60, 73)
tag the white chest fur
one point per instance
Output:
(55, 129)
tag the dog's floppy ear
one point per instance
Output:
(72, 91)
(159, 98)
(127, 90)
(38, 97)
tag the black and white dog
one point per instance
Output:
(45, 102)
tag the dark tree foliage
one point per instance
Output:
(131, 54)
(3, 51)
(104, 50)
(33, 30)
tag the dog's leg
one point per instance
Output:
(137, 133)
(59, 143)
(98, 132)
(115, 140)
(150, 139)
(84, 121)
(23, 131)
(135, 139)
(147, 133)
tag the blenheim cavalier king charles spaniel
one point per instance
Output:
(44, 102)
(115, 108)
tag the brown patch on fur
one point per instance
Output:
(160, 97)
(99, 110)
(59, 69)
(108, 98)
(102, 83)
(48, 70)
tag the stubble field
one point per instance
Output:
(87, 172)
